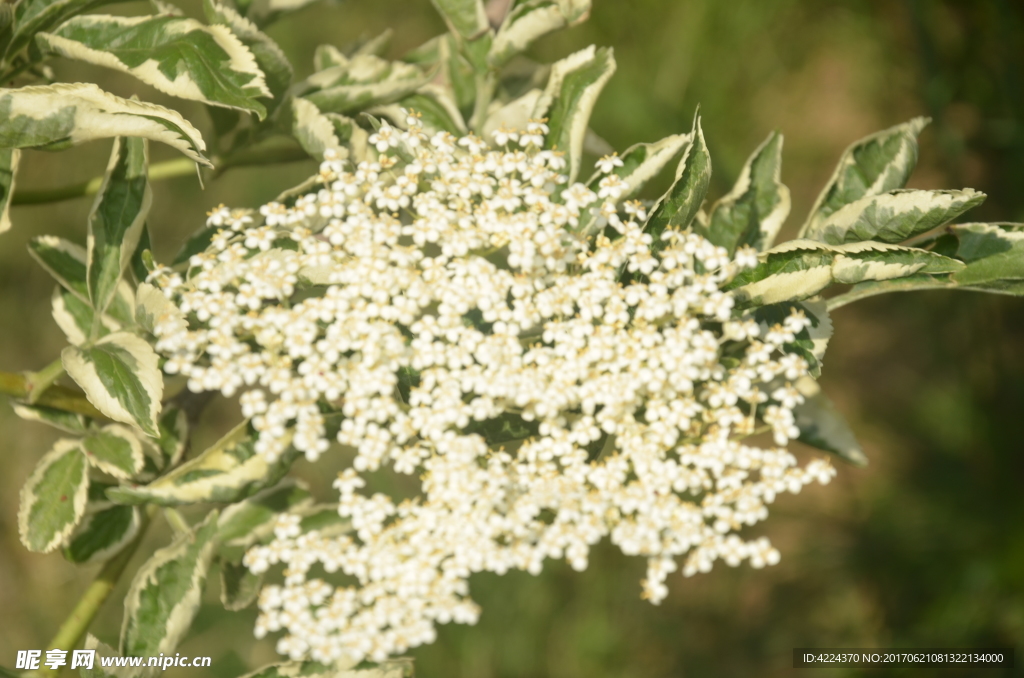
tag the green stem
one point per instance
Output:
(70, 633)
(161, 170)
(38, 382)
(57, 397)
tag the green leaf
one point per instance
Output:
(822, 426)
(753, 211)
(871, 166)
(152, 307)
(682, 201)
(165, 594)
(174, 432)
(8, 167)
(69, 422)
(568, 100)
(642, 162)
(436, 108)
(800, 269)
(117, 218)
(363, 81)
(275, 66)
(115, 450)
(120, 375)
(894, 216)
(532, 19)
(32, 16)
(229, 470)
(246, 522)
(265, 12)
(324, 519)
(392, 668)
(75, 317)
(239, 587)
(466, 18)
(64, 260)
(142, 259)
(53, 498)
(55, 117)
(992, 252)
(102, 534)
(176, 55)
(377, 45)
(314, 131)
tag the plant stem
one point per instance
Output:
(70, 633)
(161, 170)
(38, 382)
(57, 397)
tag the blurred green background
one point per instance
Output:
(924, 548)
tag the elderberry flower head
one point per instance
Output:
(551, 373)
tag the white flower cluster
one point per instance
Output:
(463, 311)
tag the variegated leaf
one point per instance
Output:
(822, 426)
(466, 18)
(323, 519)
(361, 82)
(115, 450)
(165, 594)
(102, 534)
(642, 162)
(117, 218)
(873, 165)
(75, 317)
(532, 19)
(228, 471)
(276, 68)
(800, 269)
(246, 522)
(436, 109)
(514, 115)
(53, 498)
(753, 211)
(894, 216)
(328, 56)
(176, 55)
(457, 73)
(120, 375)
(314, 131)
(174, 436)
(392, 668)
(64, 260)
(33, 16)
(992, 252)
(681, 203)
(152, 307)
(54, 117)
(265, 12)
(377, 45)
(69, 422)
(568, 100)
(8, 168)
(239, 587)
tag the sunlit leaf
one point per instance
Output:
(176, 55)
(53, 498)
(54, 117)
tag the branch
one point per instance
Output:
(57, 397)
(70, 633)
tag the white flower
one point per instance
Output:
(446, 316)
(608, 163)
